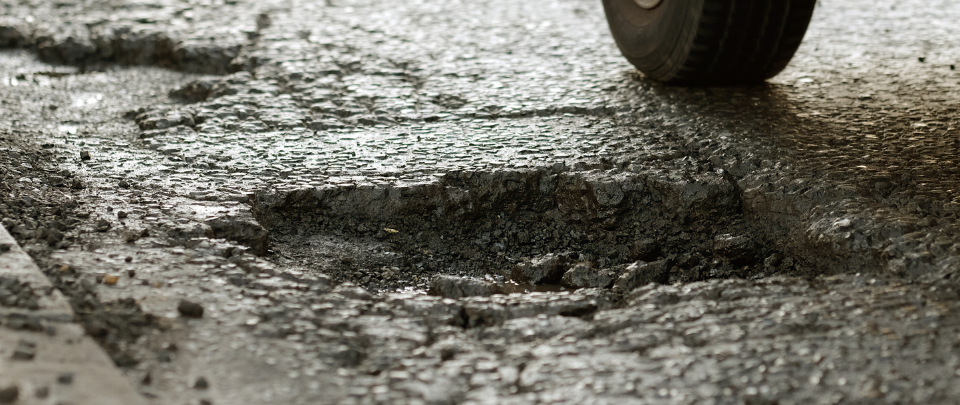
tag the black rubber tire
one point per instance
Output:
(709, 42)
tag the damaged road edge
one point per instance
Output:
(49, 347)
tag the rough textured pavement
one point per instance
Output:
(245, 202)
(44, 357)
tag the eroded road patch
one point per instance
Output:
(267, 197)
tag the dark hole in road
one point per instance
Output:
(548, 226)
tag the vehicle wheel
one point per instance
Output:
(707, 42)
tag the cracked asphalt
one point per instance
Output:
(461, 202)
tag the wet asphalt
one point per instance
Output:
(304, 171)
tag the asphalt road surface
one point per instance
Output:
(441, 201)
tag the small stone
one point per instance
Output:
(459, 287)
(583, 275)
(206, 402)
(739, 250)
(121, 214)
(102, 225)
(123, 184)
(22, 231)
(193, 92)
(129, 236)
(9, 394)
(84, 155)
(54, 237)
(647, 250)
(25, 350)
(773, 260)
(110, 279)
(643, 273)
(124, 359)
(65, 378)
(922, 59)
(5, 247)
(263, 21)
(546, 269)
(201, 384)
(190, 309)
(42, 392)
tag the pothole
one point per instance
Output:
(545, 229)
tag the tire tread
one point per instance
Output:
(738, 42)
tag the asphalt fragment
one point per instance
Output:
(9, 394)
(190, 309)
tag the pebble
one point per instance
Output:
(201, 384)
(642, 273)
(583, 275)
(65, 378)
(25, 350)
(103, 225)
(84, 155)
(545, 269)
(646, 250)
(9, 394)
(53, 237)
(110, 279)
(738, 249)
(129, 236)
(190, 309)
(459, 287)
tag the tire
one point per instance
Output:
(709, 42)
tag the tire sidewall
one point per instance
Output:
(658, 40)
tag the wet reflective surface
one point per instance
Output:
(290, 165)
